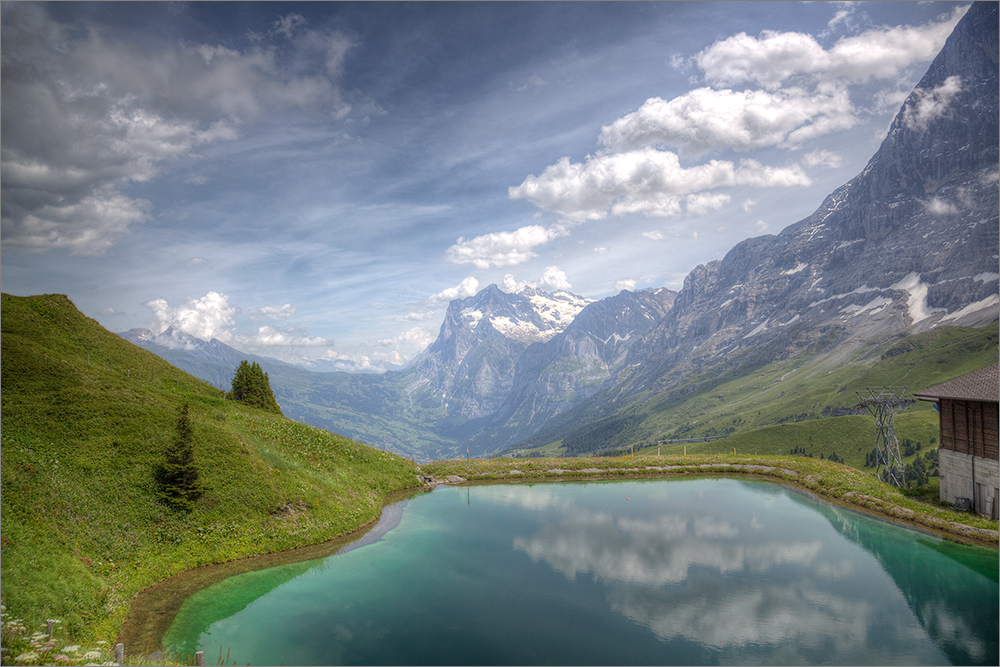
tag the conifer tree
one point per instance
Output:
(252, 386)
(178, 475)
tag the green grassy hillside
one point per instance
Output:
(86, 419)
(794, 402)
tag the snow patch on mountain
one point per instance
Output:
(917, 301)
(989, 303)
(557, 309)
(472, 316)
(793, 271)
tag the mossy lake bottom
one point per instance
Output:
(683, 571)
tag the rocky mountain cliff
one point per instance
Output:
(552, 377)
(471, 364)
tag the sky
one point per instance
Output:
(317, 181)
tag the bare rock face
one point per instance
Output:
(470, 367)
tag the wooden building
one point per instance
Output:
(969, 409)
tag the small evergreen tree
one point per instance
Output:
(252, 386)
(178, 475)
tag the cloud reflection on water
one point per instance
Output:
(656, 551)
(734, 582)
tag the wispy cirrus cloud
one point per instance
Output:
(273, 312)
(271, 337)
(87, 114)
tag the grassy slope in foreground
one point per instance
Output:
(86, 417)
(832, 481)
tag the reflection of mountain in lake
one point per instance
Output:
(956, 611)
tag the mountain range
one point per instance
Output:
(908, 245)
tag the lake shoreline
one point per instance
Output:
(153, 610)
(825, 481)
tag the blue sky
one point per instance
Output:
(318, 180)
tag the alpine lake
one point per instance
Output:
(666, 572)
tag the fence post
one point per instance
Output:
(119, 654)
(48, 627)
(199, 658)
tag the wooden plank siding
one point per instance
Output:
(970, 427)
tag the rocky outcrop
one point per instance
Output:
(470, 367)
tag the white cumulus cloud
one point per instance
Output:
(625, 284)
(468, 287)
(705, 119)
(822, 158)
(394, 351)
(554, 278)
(646, 180)
(774, 57)
(210, 316)
(501, 248)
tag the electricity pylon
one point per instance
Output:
(882, 403)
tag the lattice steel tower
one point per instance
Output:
(882, 403)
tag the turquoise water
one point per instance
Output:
(687, 572)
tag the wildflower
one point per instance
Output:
(61, 658)
(91, 655)
(27, 656)
(75, 648)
